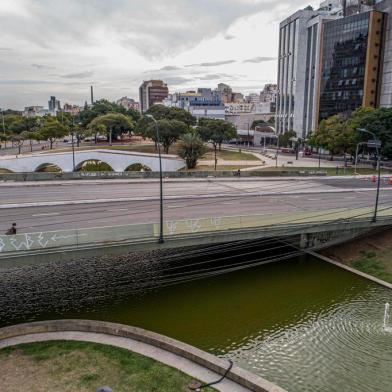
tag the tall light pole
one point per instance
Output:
(356, 156)
(73, 144)
(2, 115)
(376, 145)
(161, 240)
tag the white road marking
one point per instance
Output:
(47, 214)
(118, 209)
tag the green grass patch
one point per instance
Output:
(81, 367)
(331, 171)
(371, 263)
(229, 155)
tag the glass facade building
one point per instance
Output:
(351, 63)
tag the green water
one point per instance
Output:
(302, 323)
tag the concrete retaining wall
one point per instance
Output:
(217, 365)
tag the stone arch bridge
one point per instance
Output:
(119, 161)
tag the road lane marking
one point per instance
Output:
(118, 209)
(47, 214)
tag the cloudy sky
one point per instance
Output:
(57, 47)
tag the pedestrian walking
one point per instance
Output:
(11, 230)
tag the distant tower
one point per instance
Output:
(92, 96)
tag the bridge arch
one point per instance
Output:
(138, 167)
(93, 165)
(48, 167)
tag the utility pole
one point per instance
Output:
(376, 145)
(161, 239)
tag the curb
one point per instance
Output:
(238, 375)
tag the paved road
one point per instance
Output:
(86, 204)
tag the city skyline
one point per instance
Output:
(233, 42)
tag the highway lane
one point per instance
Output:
(48, 218)
(85, 190)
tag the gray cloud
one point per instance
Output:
(177, 80)
(169, 68)
(79, 75)
(5, 49)
(259, 59)
(212, 64)
(214, 76)
(229, 37)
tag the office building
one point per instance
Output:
(152, 92)
(351, 64)
(203, 103)
(298, 64)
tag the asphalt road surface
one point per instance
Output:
(67, 205)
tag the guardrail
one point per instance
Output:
(270, 224)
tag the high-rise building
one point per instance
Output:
(54, 104)
(269, 93)
(351, 63)
(386, 78)
(298, 60)
(152, 92)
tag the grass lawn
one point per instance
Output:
(372, 254)
(60, 366)
(229, 155)
(331, 171)
(150, 148)
(219, 167)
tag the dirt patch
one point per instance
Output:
(371, 254)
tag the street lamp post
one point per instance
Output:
(73, 150)
(379, 171)
(319, 158)
(356, 156)
(161, 240)
(2, 115)
(277, 151)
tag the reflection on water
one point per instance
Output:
(301, 323)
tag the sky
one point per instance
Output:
(60, 48)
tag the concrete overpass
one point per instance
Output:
(118, 160)
(310, 230)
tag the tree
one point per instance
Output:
(284, 138)
(18, 140)
(169, 132)
(30, 136)
(52, 130)
(378, 121)
(161, 112)
(117, 122)
(191, 148)
(102, 107)
(335, 135)
(258, 123)
(216, 131)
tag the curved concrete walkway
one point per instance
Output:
(188, 359)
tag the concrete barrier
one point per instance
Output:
(145, 175)
(180, 231)
(208, 361)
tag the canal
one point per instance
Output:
(302, 323)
